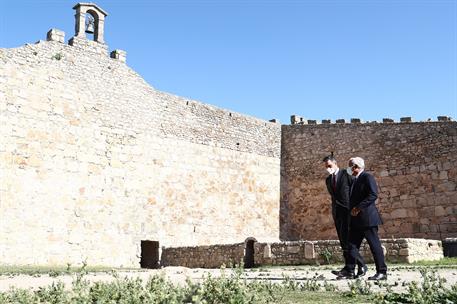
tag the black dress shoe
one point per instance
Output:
(362, 271)
(378, 277)
(345, 274)
(337, 272)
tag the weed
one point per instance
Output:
(359, 287)
(327, 255)
(431, 290)
(228, 288)
(330, 287)
(57, 56)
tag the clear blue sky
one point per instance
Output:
(271, 58)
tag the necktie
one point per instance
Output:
(334, 182)
(352, 186)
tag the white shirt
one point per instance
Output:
(336, 174)
(360, 172)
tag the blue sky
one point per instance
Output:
(271, 59)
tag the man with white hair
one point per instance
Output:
(365, 218)
(338, 185)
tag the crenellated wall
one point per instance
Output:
(413, 162)
(93, 160)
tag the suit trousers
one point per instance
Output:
(356, 236)
(341, 218)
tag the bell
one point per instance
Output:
(90, 28)
(90, 25)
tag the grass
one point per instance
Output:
(447, 261)
(229, 288)
(9, 270)
(319, 297)
(54, 271)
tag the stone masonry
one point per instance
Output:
(93, 161)
(297, 253)
(414, 164)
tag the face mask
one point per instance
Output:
(349, 170)
(330, 170)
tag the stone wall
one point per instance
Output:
(213, 256)
(93, 160)
(325, 251)
(414, 164)
(298, 253)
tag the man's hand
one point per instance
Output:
(355, 211)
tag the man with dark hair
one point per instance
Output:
(338, 185)
(365, 219)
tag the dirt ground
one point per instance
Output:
(397, 276)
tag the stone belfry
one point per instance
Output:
(89, 15)
(89, 18)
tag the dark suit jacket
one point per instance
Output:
(343, 185)
(363, 196)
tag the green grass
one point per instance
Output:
(228, 288)
(443, 262)
(61, 270)
(56, 270)
(319, 297)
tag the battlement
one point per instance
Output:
(298, 120)
(111, 164)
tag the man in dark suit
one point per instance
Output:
(338, 185)
(365, 218)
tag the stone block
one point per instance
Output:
(387, 120)
(443, 118)
(399, 213)
(293, 249)
(342, 121)
(309, 251)
(443, 175)
(267, 251)
(440, 211)
(295, 119)
(119, 55)
(55, 35)
(383, 173)
(404, 252)
(406, 119)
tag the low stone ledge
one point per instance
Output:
(404, 250)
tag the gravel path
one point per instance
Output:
(398, 276)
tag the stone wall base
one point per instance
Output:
(404, 250)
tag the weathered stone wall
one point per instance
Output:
(213, 256)
(325, 251)
(93, 160)
(298, 253)
(414, 164)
